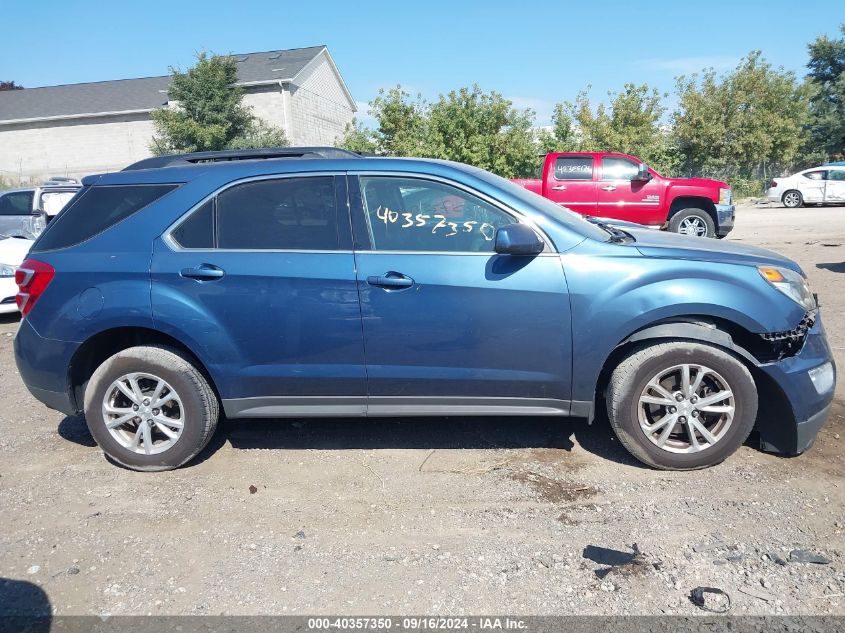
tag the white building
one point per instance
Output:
(80, 129)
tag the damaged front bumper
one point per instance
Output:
(795, 394)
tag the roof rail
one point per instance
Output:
(195, 158)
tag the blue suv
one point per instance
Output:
(316, 282)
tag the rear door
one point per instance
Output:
(570, 183)
(621, 196)
(811, 184)
(261, 277)
(834, 190)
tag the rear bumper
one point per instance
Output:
(43, 365)
(725, 215)
(793, 408)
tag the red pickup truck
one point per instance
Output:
(621, 187)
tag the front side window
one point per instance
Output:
(412, 214)
(574, 168)
(618, 168)
(836, 174)
(283, 214)
(815, 175)
(16, 203)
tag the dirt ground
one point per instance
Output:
(443, 516)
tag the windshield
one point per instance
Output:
(570, 219)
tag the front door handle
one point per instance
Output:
(390, 279)
(203, 272)
(608, 188)
(559, 188)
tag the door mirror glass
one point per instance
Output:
(642, 172)
(518, 239)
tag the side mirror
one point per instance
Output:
(643, 173)
(518, 239)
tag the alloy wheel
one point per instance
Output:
(693, 225)
(143, 413)
(686, 408)
(792, 199)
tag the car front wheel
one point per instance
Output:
(149, 408)
(693, 221)
(681, 405)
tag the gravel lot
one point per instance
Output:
(444, 516)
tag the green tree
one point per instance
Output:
(827, 103)
(466, 125)
(207, 113)
(748, 123)
(630, 123)
(482, 129)
(10, 85)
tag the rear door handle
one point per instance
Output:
(608, 188)
(390, 279)
(203, 272)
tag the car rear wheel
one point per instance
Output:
(681, 405)
(150, 409)
(693, 221)
(793, 199)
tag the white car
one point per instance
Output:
(818, 185)
(13, 251)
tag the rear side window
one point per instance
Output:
(574, 168)
(815, 175)
(95, 210)
(16, 203)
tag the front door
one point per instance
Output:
(623, 197)
(834, 190)
(261, 280)
(571, 184)
(449, 325)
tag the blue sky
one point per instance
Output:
(535, 53)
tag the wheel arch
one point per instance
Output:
(694, 202)
(107, 343)
(728, 336)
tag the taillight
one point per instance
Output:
(774, 183)
(32, 278)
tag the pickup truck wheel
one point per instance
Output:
(681, 405)
(150, 409)
(792, 199)
(693, 221)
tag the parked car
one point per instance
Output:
(818, 185)
(13, 251)
(622, 187)
(316, 282)
(26, 212)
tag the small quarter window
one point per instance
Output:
(198, 230)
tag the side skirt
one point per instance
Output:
(398, 406)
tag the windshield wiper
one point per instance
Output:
(616, 235)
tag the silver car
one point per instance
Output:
(26, 212)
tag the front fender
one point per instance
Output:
(615, 295)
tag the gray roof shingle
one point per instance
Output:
(146, 93)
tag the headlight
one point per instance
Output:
(791, 284)
(7, 271)
(725, 196)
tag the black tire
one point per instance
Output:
(200, 414)
(632, 375)
(683, 218)
(792, 199)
